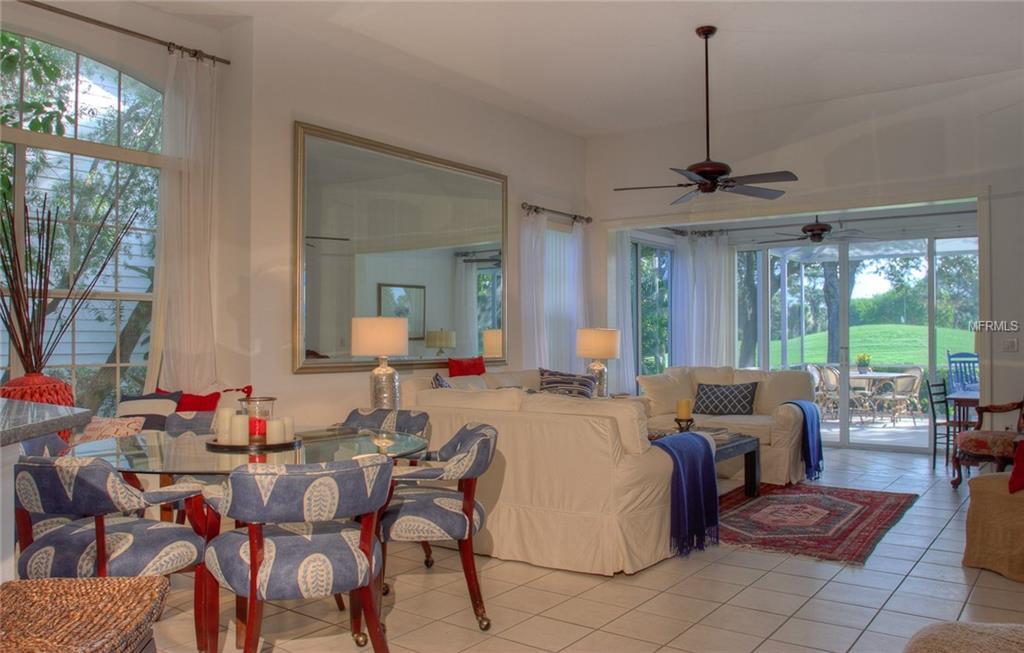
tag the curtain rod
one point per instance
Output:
(575, 217)
(171, 47)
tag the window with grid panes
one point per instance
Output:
(46, 89)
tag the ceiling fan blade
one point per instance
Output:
(692, 176)
(782, 233)
(852, 238)
(685, 197)
(652, 187)
(783, 240)
(755, 191)
(764, 177)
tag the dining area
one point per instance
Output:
(249, 528)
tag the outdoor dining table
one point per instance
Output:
(875, 379)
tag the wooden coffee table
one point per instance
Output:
(750, 448)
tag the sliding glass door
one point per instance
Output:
(652, 271)
(872, 321)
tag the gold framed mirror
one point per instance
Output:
(385, 231)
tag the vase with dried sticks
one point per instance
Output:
(26, 305)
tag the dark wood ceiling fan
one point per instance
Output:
(818, 232)
(709, 176)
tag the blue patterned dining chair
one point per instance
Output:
(422, 513)
(401, 421)
(298, 541)
(92, 535)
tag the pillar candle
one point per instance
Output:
(239, 431)
(684, 409)
(275, 431)
(222, 421)
(289, 428)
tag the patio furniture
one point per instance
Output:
(963, 371)
(100, 540)
(298, 541)
(900, 395)
(978, 447)
(944, 427)
(60, 614)
(418, 513)
(830, 388)
(820, 396)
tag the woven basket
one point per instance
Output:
(80, 615)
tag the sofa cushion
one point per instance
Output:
(712, 375)
(663, 390)
(525, 379)
(630, 416)
(468, 382)
(504, 399)
(735, 399)
(759, 426)
(154, 407)
(783, 386)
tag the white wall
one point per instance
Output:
(298, 78)
(957, 139)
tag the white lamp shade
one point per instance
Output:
(440, 338)
(492, 343)
(380, 336)
(601, 344)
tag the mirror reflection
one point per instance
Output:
(393, 233)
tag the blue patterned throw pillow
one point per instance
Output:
(563, 383)
(725, 399)
(154, 407)
(439, 381)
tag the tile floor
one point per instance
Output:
(726, 599)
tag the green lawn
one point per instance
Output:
(888, 344)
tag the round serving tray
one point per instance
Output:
(220, 447)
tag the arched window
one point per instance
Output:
(86, 137)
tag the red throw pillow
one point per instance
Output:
(466, 366)
(189, 402)
(1017, 475)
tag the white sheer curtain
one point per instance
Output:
(622, 372)
(182, 352)
(702, 296)
(533, 230)
(565, 307)
(465, 308)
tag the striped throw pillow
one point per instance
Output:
(154, 407)
(563, 383)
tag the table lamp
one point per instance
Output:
(599, 345)
(442, 339)
(381, 337)
(492, 343)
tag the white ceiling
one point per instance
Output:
(593, 68)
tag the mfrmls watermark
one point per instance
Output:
(996, 326)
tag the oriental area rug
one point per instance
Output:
(829, 523)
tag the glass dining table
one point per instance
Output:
(163, 452)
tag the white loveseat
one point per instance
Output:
(574, 483)
(777, 425)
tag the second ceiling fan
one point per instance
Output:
(709, 176)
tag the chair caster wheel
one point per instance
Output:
(360, 639)
(385, 589)
(484, 623)
(428, 563)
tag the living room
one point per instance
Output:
(902, 125)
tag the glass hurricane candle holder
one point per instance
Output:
(259, 410)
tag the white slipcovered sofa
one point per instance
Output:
(777, 425)
(574, 483)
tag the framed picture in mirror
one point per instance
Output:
(406, 301)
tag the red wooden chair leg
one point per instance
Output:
(428, 555)
(355, 617)
(340, 600)
(240, 616)
(199, 606)
(373, 624)
(211, 621)
(253, 621)
(957, 472)
(473, 583)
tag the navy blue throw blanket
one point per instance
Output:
(694, 505)
(810, 446)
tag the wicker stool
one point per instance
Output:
(80, 615)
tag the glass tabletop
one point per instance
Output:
(160, 452)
